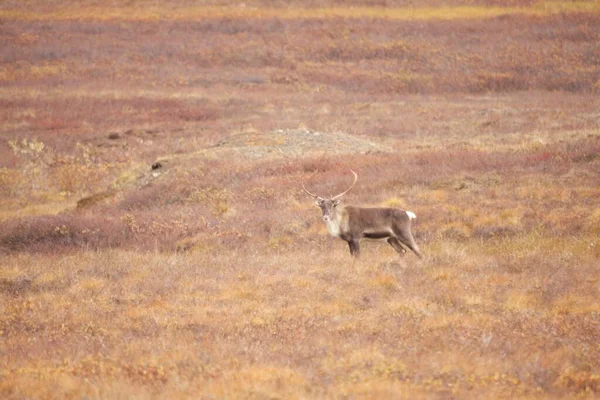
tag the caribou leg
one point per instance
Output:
(407, 239)
(395, 243)
(354, 247)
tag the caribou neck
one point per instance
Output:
(334, 223)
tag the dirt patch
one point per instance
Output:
(285, 143)
(240, 147)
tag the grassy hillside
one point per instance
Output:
(211, 274)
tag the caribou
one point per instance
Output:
(351, 223)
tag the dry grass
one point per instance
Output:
(213, 275)
(411, 13)
(465, 321)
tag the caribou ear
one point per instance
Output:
(319, 201)
(336, 202)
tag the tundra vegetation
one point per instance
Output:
(211, 274)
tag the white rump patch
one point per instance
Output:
(411, 214)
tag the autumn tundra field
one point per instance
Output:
(155, 241)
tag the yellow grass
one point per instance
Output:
(542, 8)
(47, 208)
(224, 327)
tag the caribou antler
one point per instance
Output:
(311, 194)
(334, 197)
(347, 190)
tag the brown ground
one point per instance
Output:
(213, 275)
